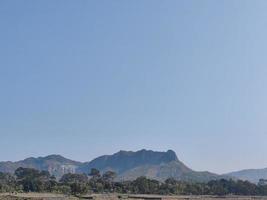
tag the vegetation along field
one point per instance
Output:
(45, 196)
(33, 180)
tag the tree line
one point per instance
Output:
(32, 180)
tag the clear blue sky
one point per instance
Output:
(86, 78)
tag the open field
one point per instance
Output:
(47, 196)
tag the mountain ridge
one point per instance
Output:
(127, 164)
(252, 175)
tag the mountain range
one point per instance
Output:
(252, 175)
(128, 165)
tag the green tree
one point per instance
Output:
(95, 173)
(78, 188)
(33, 180)
(109, 176)
(69, 178)
(144, 185)
(7, 182)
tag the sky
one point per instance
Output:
(87, 78)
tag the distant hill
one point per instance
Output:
(123, 161)
(127, 164)
(55, 164)
(157, 165)
(252, 175)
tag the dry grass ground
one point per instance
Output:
(35, 196)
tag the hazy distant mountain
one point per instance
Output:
(127, 164)
(55, 164)
(157, 165)
(127, 160)
(252, 175)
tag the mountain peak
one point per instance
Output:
(125, 160)
(54, 157)
(171, 155)
(167, 156)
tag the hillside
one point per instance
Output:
(252, 175)
(127, 160)
(127, 164)
(55, 164)
(157, 165)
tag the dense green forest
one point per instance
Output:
(32, 180)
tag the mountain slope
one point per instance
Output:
(126, 160)
(163, 171)
(252, 175)
(157, 165)
(55, 164)
(127, 164)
